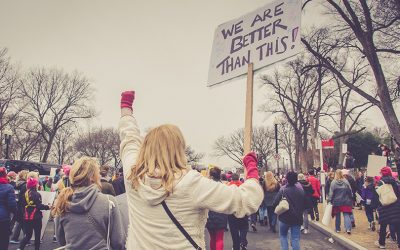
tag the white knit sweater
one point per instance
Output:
(149, 225)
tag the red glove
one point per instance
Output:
(250, 162)
(127, 98)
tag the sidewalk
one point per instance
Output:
(360, 234)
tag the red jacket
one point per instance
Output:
(316, 185)
(237, 183)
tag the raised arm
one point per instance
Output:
(129, 132)
(218, 197)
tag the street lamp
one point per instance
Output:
(7, 136)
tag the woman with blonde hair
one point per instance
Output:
(341, 197)
(271, 189)
(84, 217)
(163, 194)
(21, 189)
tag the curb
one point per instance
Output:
(343, 241)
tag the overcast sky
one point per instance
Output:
(161, 49)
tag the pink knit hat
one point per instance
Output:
(31, 183)
(66, 169)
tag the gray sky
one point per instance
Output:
(161, 49)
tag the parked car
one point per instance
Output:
(16, 166)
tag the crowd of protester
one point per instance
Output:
(161, 191)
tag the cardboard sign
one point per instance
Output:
(262, 37)
(47, 198)
(375, 163)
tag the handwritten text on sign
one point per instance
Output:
(263, 37)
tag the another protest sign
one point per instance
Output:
(262, 37)
(375, 163)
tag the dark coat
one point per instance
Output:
(21, 188)
(216, 220)
(369, 194)
(107, 188)
(390, 214)
(8, 203)
(119, 185)
(37, 201)
(308, 193)
(295, 197)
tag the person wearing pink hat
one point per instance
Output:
(32, 217)
(64, 181)
(388, 214)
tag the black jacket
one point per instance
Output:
(390, 214)
(37, 202)
(216, 220)
(296, 199)
(308, 192)
(119, 185)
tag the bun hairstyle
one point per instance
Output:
(84, 172)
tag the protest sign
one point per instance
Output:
(375, 163)
(47, 198)
(262, 37)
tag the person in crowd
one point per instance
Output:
(389, 214)
(119, 184)
(64, 178)
(224, 179)
(84, 217)
(308, 202)
(216, 222)
(49, 185)
(21, 189)
(316, 186)
(329, 178)
(371, 200)
(353, 186)
(341, 198)
(271, 188)
(12, 177)
(8, 206)
(32, 217)
(106, 187)
(238, 226)
(293, 218)
(262, 210)
(57, 175)
(349, 161)
(160, 181)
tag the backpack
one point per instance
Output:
(386, 194)
(30, 208)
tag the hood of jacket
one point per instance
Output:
(341, 182)
(83, 199)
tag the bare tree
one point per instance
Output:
(8, 93)
(286, 139)
(54, 99)
(26, 138)
(368, 29)
(100, 143)
(298, 94)
(192, 156)
(232, 146)
(64, 150)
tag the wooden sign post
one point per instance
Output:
(248, 125)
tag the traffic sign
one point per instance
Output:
(277, 157)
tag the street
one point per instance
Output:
(261, 240)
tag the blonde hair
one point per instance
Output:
(22, 175)
(338, 174)
(32, 174)
(162, 156)
(84, 172)
(270, 181)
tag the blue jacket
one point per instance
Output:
(8, 204)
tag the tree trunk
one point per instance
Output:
(48, 148)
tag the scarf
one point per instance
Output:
(3, 180)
